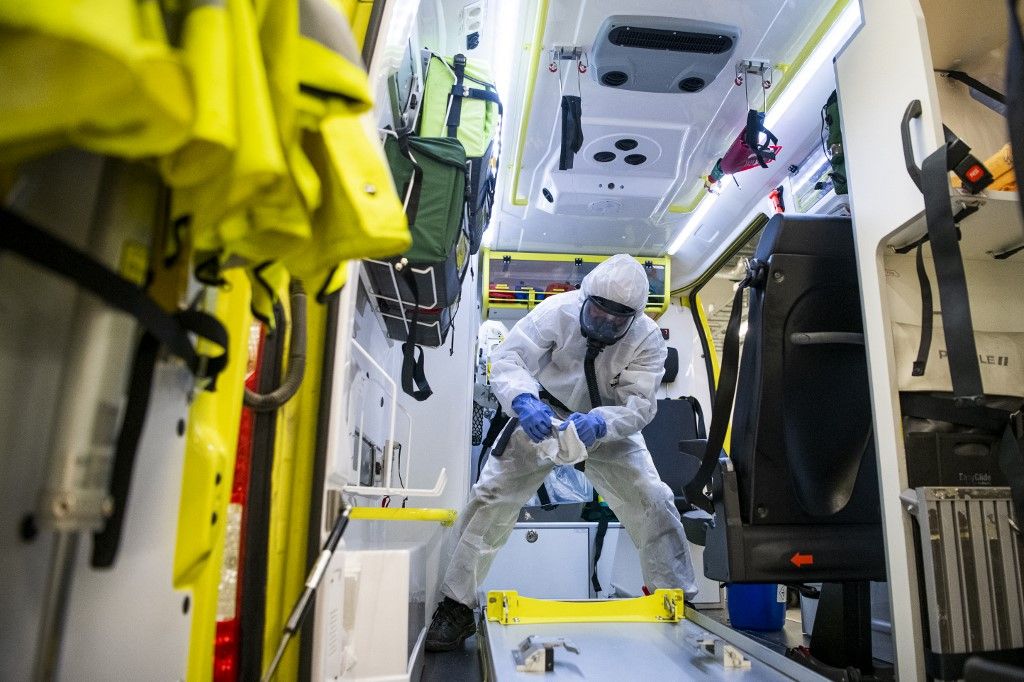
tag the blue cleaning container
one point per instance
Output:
(756, 606)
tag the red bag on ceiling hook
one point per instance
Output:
(748, 150)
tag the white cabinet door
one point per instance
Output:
(544, 562)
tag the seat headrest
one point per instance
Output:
(807, 235)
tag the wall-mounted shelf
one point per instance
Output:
(515, 282)
(995, 228)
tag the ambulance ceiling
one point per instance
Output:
(619, 205)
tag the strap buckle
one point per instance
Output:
(757, 272)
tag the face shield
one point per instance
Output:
(605, 321)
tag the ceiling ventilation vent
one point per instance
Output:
(692, 84)
(614, 78)
(676, 41)
(661, 54)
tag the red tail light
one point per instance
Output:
(228, 638)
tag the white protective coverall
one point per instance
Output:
(546, 348)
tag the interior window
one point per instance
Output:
(718, 292)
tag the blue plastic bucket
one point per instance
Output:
(757, 606)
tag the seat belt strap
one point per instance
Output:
(958, 330)
(171, 330)
(927, 313)
(724, 393)
(698, 414)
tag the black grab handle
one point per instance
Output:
(912, 112)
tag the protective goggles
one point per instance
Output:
(605, 321)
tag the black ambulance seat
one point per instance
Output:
(798, 499)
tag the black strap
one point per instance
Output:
(1015, 89)
(990, 97)
(414, 378)
(171, 330)
(544, 498)
(477, 93)
(572, 130)
(698, 413)
(958, 330)
(602, 529)
(455, 102)
(927, 313)
(593, 350)
(414, 188)
(106, 542)
(724, 393)
(752, 138)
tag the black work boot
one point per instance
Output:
(452, 624)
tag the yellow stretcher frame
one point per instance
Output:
(531, 301)
(508, 608)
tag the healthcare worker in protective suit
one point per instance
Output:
(593, 359)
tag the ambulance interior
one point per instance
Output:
(859, 535)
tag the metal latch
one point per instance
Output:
(729, 656)
(537, 654)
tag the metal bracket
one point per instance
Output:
(562, 53)
(746, 68)
(729, 656)
(537, 654)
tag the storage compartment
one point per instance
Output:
(515, 282)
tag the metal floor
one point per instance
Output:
(652, 648)
(462, 665)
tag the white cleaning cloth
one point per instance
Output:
(563, 447)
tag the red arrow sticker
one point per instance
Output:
(800, 560)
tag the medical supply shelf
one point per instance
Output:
(515, 282)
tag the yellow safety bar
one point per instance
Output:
(508, 608)
(445, 517)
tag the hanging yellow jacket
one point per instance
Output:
(359, 214)
(98, 75)
(207, 49)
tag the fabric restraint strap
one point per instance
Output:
(572, 130)
(949, 271)
(105, 543)
(752, 137)
(724, 393)
(455, 102)
(171, 330)
(927, 312)
(1015, 89)
(414, 378)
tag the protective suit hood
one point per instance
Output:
(621, 279)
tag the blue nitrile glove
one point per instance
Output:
(589, 427)
(534, 416)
